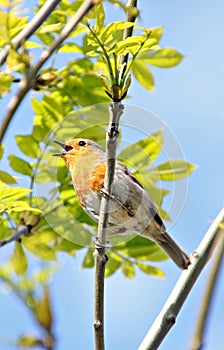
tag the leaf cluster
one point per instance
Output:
(95, 56)
(98, 47)
(49, 208)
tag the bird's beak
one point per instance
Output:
(62, 144)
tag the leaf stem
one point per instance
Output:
(116, 69)
(105, 54)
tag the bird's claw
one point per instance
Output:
(98, 244)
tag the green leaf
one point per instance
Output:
(106, 33)
(7, 178)
(32, 45)
(1, 150)
(20, 165)
(156, 33)
(50, 109)
(46, 38)
(97, 132)
(156, 193)
(44, 275)
(70, 47)
(9, 193)
(43, 311)
(69, 247)
(172, 170)
(28, 145)
(27, 341)
(51, 28)
(88, 261)
(132, 45)
(41, 250)
(142, 248)
(143, 152)
(143, 74)
(62, 172)
(100, 16)
(11, 25)
(128, 269)
(39, 128)
(164, 58)
(19, 259)
(5, 231)
(53, 107)
(5, 83)
(113, 264)
(150, 270)
(37, 106)
(20, 206)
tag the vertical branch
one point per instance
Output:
(115, 110)
(167, 317)
(198, 339)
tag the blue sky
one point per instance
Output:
(189, 99)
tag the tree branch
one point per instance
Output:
(29, 80)
(167, 317)
(198, 339)
(21, 230)
(31, 27)
(115, 110)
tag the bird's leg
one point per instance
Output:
(129, 211)
(98, 244)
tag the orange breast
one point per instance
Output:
(97, 177)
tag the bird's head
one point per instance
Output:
(79, 150)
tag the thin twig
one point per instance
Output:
(167, 317)
(21, 230)
(130, 17)
(31, 27)
(29, 81)
(198, 338)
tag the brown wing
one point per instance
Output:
(152, 208)
(127, 172)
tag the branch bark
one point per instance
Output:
(29, 80)
(168, 314)
(198, 339)
(115, 110)
(20, 231)
(31, 27)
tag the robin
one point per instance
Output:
(131, 207)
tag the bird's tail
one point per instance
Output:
(173, 250)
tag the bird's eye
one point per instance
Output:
(82, 143)
(68, 148)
